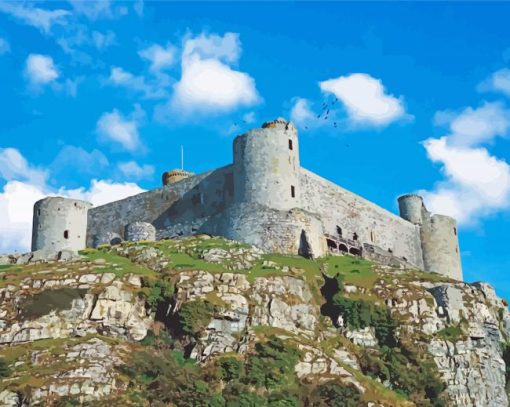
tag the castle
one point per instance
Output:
(264, 198)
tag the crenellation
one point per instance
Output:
(266, 199)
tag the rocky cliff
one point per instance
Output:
(207, 322)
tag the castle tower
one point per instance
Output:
(266, 166)
(440, 246)
(172, 176)
(59, 224)
(411, 208)
(438, 234)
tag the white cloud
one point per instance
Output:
(113, 126)
(476, 183)
(301, 113)
(4, 46)
(76, 159)
(475, 126)
(101, 192)
(365, 99)
(208, 83)
(25, 185)
(249, 117)
(34, 16)
(17, 201)
(499, 81)
(159, 57)
(93, 9)
(16, 204)
(13, 166)
(40, 69)
(153, 90)
(103, 40)
(226, 48)
(132, 170)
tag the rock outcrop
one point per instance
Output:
(69, 326)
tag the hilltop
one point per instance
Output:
(204, 321)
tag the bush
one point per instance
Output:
(159, 291)
(194, 316)
(245, 399)
(283, 400)
(4, 369)
(160, 341)
(272, 365)
(451, 333)
(231, 368)
(335, 394)
(359, 314)
(506, 359)
(415, 377)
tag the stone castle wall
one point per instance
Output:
(372, 224)
(177, 209)
(269, 229)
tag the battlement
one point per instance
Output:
(279, 123)
(173, 176)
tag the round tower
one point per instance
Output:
(59, 224)
(440, 245)
(172, 176)
(266, 166)
(411, 208)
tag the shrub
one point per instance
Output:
(414, 376)
(335, 394)
(283, 400)
(194, 316)
(231, 368)
(246, 399)
(359, 314)
(272, 365)
(159, 291)
(4, 369)
(451, 333)
(506, 359)
(160, 341)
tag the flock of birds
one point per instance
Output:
(326, 109)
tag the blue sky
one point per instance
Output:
(98, 97)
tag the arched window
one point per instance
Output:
(331, 244)
(290, 145)
(343, 248)
(355, 251)
(355, 236)
(66, 234)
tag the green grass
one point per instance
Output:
(183, 262)
(124, 264)
(48, 300)
(311, 271)
(6, 266)
(451, 333)
(355, 270)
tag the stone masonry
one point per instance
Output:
(266, 199)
